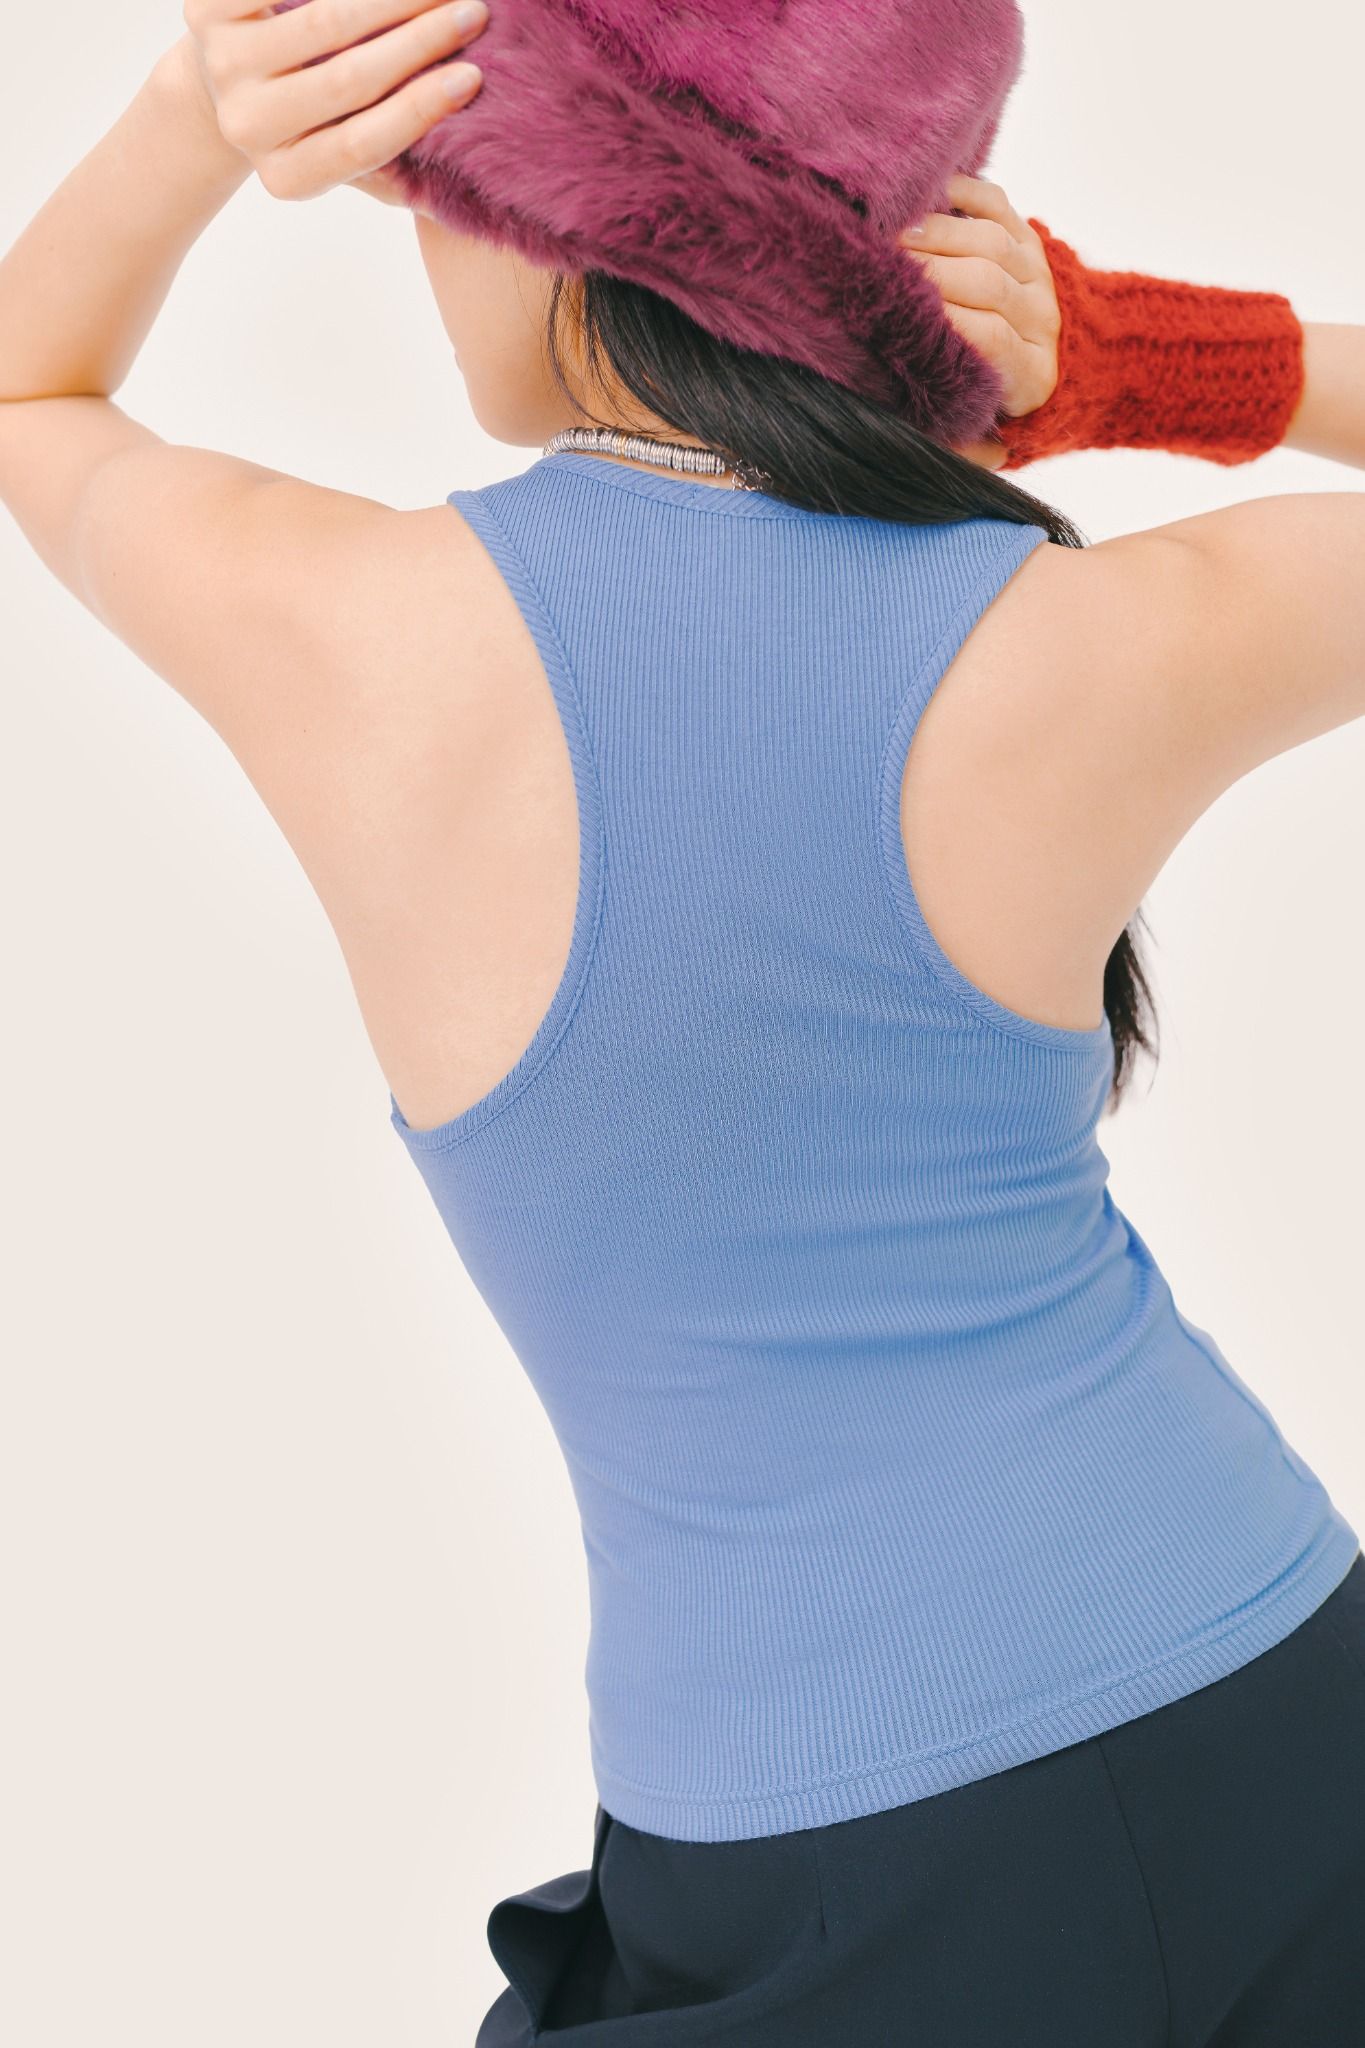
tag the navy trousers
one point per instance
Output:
(1194, 1878)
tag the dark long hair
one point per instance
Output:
(830, 450)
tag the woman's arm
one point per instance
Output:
(248, 590)
(83, 284)
(1330, 420)
(81, 287)
(1118, 690)
(79, 291)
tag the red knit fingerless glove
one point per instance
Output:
(1145, 362)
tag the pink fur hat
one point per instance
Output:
(751, 160)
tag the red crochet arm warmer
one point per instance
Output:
(1145, 362)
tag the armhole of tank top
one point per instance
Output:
(1000, 558)
(556, 1019)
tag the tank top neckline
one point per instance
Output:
(673, 487)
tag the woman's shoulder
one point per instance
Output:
(1120, 689)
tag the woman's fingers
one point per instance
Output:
(367, 141)
(296, 35)
(992, 271)
(327, 92)
(973, 281)
(260, 108)
(1028, 369)
(944, 234)
(280, 109)
(985, 201)
(990, 333)
(287, 34)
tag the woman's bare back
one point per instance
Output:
(1100, 705)
(456, 947)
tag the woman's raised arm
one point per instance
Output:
(247, 589)
(1330, 420)
(1116, 691)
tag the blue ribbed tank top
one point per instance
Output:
(896, 1463)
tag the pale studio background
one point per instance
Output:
(292, 1600)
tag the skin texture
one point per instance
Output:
(494, 307)
(374, 681)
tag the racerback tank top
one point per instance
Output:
(896, 1463)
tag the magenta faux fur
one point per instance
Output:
(751, 160)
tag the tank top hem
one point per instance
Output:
(1266, 1621)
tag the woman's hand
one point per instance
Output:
(998, 292)
(330, 92)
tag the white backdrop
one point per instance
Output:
(292, 1603)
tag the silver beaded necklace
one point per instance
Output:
(666, 454)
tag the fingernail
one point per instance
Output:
(469, 14)
(460, 80)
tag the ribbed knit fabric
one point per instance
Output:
(897, 1464)
(1150, 362)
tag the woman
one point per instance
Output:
(972, 1658)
